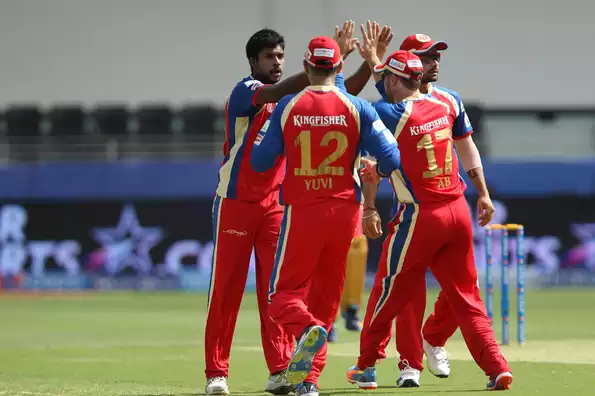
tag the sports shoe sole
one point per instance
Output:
(502, 383)
(408, 383)
(430, 368)
(364, 385)
(437, 375)
(301, 361)
(218, 393)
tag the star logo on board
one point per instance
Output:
(129, 243)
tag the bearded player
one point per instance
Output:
(441, 324)
(246, 210)
(322, 131)
(432, 227)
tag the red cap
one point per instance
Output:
(323, 53)
(402, 63)
(420, 44)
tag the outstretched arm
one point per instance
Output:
(374, 45)
(291, 85)
(357, 82)
(274, 92)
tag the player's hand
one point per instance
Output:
(485, 210)
(372, 224)
(344, 37)
(386, 36)
(368, 47)
(368, 173)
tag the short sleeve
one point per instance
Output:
(243, 97)
(462, 125)
(269, 144)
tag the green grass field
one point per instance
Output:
(151, 344)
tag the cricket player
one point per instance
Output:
(357, 259)
(432, 227)
(322, 131)
(441, 324)
(246, 210)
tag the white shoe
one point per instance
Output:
(217, 386)
(278, 385)
(409, 377)
(437, 360)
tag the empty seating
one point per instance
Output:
(110, 119)
(66, 120)
(23, 121)
(201, 120)
(154, 119)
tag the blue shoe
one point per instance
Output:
(501, 382)
(332, 335)
(352, 320)
(365, 379)
(313, 338)
(307, 389)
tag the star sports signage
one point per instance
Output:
(130, 244)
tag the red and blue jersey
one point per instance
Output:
(462, 124)
(322, 132)
(425, 129)
(243, 120)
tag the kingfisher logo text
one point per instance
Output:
(234, 232)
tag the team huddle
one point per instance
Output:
(303, 160)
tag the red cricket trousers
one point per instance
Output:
(438, 236)
(238, 227)
(441, 324)
(439, 327)
(307, 281)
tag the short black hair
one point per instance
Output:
(322, 72)
(263, 39)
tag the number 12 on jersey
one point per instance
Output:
(304, 141)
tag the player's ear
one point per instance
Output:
(340, 67)
(394, 80)
(253, 63)
(306, 67)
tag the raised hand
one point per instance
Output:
(386, 36)
(368, 46)
(344, 37)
